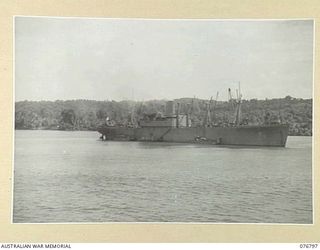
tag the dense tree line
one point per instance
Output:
(88, 115)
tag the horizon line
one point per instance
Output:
(160, 99)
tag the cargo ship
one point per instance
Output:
(179, 128)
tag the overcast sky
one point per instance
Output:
(117, 59)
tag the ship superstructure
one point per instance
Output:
(175, 126)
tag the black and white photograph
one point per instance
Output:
(123, 120)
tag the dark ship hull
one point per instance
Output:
(262, 135)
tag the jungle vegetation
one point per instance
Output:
(89, 114)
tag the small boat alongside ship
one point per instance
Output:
(173, 126)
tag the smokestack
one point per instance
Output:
(178, 111)
(169, 108)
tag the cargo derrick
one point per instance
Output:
(172, 126)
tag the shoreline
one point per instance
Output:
(94, 130)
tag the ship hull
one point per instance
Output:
(272, 135)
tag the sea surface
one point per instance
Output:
(63, 176)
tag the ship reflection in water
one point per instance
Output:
(72, 177)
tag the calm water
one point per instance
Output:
(73, 177)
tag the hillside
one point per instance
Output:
(88, 114)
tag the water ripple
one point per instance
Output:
(96, 181)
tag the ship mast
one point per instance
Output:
(238, 107)
(230, 98)
(213, 118)
(207, 118)
(133, 118)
